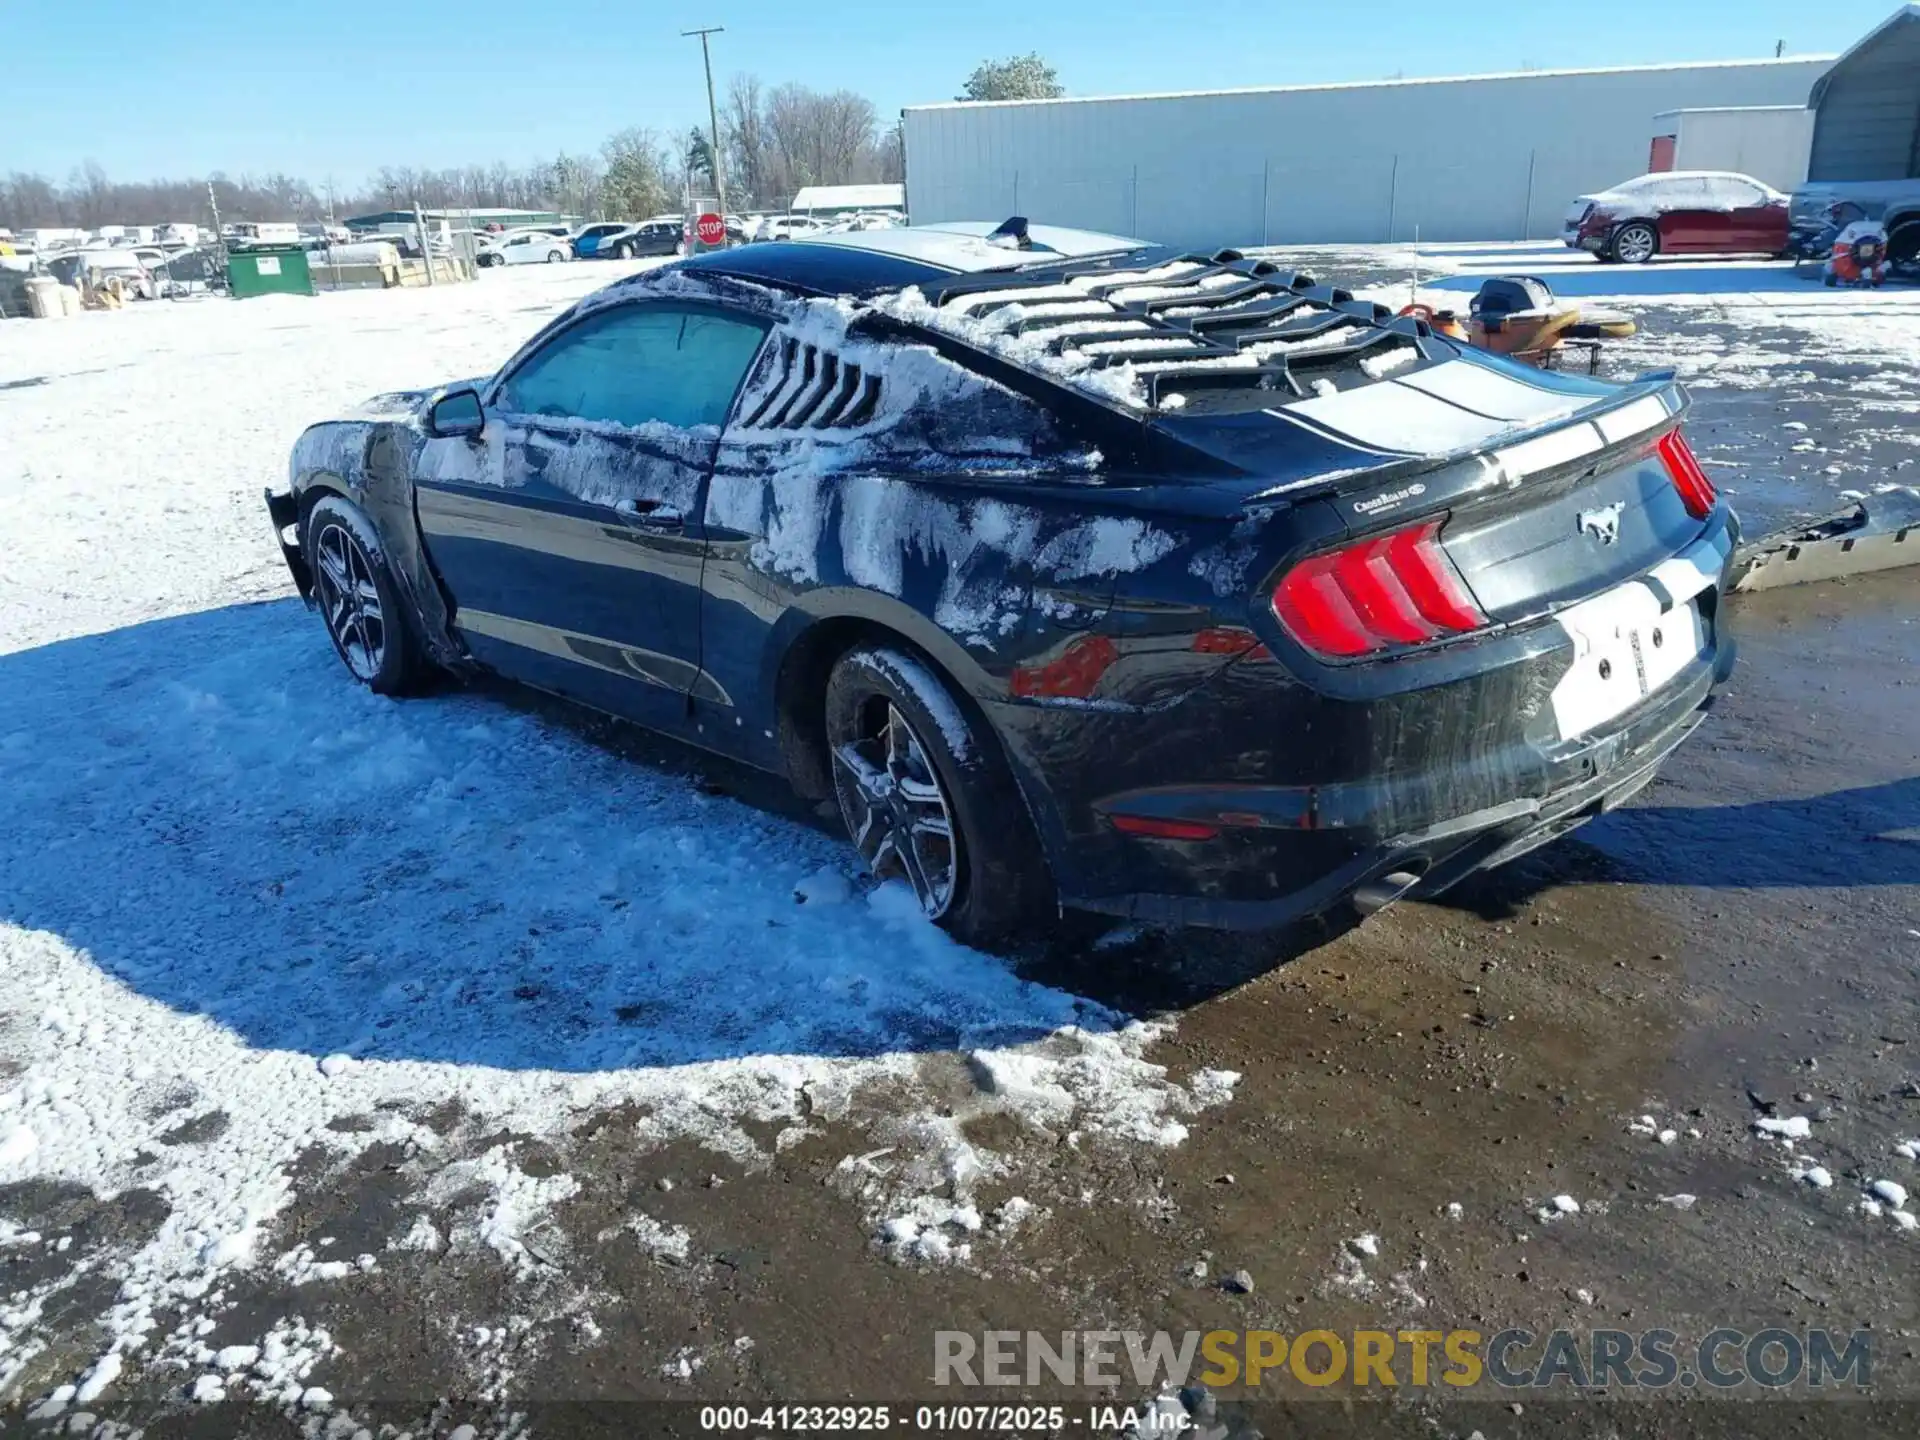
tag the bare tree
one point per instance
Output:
(893, 154)
(747, 146)
(819, 139)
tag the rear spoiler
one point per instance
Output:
(1594, 438)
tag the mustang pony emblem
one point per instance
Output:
(1603, 524)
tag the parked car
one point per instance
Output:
(790, 227)
(1679, 212)
(662, 235)
(1895, 204)
(1257, 603)
(588, 237)
(250, 234)
(522, 247)
(868, 220)
(103, 263)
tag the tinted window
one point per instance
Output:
(634, 365)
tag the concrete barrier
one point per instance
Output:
(365, 272)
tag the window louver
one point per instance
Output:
(1218, 332)
(807, 388)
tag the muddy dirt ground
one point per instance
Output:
(1741, 943)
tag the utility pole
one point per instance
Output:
(426, 250)
(713, 116)
(213, 205)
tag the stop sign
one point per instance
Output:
(711, 229)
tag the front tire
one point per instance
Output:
(1635, 243)
(928, 798)
(623, 251)
(363, 608)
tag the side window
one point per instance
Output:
(637, 365)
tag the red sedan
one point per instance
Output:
(1679, 212)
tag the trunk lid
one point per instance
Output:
(1553, 541)
(1550, 486)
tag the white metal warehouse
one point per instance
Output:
(1488, 157)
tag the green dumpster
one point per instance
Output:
(269, 270)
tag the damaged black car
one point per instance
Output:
(1080, 572)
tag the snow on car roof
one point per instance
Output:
(962, 246)
(869, 262)
(1653, 176)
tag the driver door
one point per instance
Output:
(568, 533)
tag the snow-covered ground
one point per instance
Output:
(242, 899)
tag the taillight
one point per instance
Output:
(1156, 828)
(1392, 590)
(1696, 490)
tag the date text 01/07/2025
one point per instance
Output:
(938, 1419)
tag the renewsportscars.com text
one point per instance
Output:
(1513, 1359)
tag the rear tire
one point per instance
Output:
(1635, 243)
(928, 797)
(623, 251)
(364, 611)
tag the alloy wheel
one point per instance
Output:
(1634, 244)
(895, 807)
(350, 600)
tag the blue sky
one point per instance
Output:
(339, 87)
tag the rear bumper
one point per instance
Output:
(1284, 797)
(1426, 861)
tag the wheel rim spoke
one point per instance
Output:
(920, 792)
(935, 825)
(350, 600)
(895, 809)
(857, 765)
(333, 565)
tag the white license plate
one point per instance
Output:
(1625, 648)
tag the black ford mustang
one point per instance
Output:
(1082, 572)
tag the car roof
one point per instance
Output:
(1658, 175)
(868, 262)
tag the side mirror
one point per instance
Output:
(456, 413)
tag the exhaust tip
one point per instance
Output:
(1383, 890)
